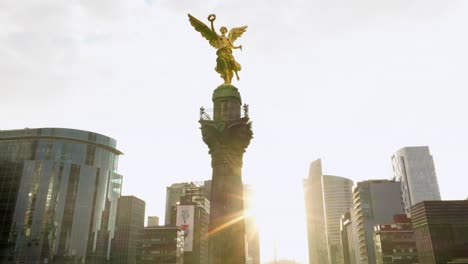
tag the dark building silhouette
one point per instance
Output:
(441, 229)
(128, 229)
(58, 195)
(161, 244)
(395, 243)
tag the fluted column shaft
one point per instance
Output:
(227, 137)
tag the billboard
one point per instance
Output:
(185, 215)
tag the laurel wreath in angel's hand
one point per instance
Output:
(211, 35)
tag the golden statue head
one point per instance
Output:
(223, 30)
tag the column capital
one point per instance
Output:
(227, 141)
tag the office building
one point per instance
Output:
(375, 202)
(58, 193)
(177, 190)
(348, 239)
(161, 244)
(395, 243)
(173, 194)
(441, 229)
(192, 215)
(414, 168)
(153, 221)
(128, 229)
(338, 198)
(315, 214)
(327, 198)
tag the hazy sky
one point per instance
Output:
(348, 81)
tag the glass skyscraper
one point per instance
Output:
(414, 168)
(315, 215)
(338, 199)
(58, 195)
(130, 222)
(327, 197)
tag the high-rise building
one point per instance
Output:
(338, 198)
(192, 215)
(375, 202)
(327, 198)
(395, 243)
(58, 193)
(128, 229)
(161, 244)
(153, 221)
(252, 244)
(355, 237)
(441, 229)
(315, 214)
(414, 168)
(173, 194)
(178, 190)
(348, 239)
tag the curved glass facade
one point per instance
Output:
(58, 193)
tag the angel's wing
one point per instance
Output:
(235, 33)
(206, 32)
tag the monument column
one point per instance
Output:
(227, 135)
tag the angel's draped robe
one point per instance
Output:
(226, 64)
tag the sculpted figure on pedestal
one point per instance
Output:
(226, 65)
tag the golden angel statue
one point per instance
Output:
(226, 65)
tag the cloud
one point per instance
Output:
(149, 2)
(43, 43)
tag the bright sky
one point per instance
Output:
(348, 81)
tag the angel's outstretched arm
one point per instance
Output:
(234, 34)
(212, 18)
(212, 27)
(235, 47)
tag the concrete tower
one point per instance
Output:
(227, 135)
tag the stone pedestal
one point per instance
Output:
(227, 134)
